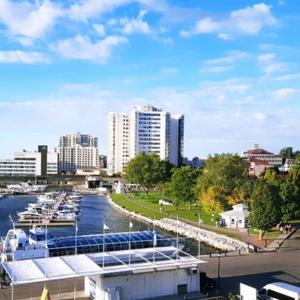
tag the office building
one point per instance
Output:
(77, 151)
(26, 163)
(144, 129)
(258, 153)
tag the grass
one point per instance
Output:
(148, 206)
(270, 234)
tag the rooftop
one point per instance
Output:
(116, 262)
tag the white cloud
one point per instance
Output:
(230, 58)
(288, 77)
(269, 64)
(28, 21)
(224, 63)
(100, 29)
(135, 25)
(216, 69)
(266, 57)
(284, 94)
(86, 9)
(260, 116)
(247, 21)
(81, 47)
(17, 56)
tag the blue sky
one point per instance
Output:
(232, 67)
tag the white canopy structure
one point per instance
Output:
(51, 268)
(134, 261)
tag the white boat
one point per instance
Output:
(41, 243)
(25, 188)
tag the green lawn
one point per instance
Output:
(271, 234)
(148, 206)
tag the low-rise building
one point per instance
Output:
(27, 163)
(274, 160)
(235, 218)
(257, 166)
(288, 164)
(195, 163)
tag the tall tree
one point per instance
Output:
(147, 170)
(183, 182)
(265, 207)
(287, 152)
(213, 200)
(290, 193)
(224, 171)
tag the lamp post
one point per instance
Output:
(219, 270)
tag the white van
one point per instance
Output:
(279, 291)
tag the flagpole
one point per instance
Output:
(177, 237)
(13, 259)
(76, 232)
(103, 242)
(46, 242)
(199, 249)
(129, 246)
(153, 239)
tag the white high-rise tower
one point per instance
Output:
(144, 129)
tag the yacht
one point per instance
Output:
(41, 243)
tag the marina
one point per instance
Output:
(53, 209)
(92, 210)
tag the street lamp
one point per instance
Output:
(219, 270)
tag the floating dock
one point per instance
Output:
(54, 224)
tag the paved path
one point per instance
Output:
(241, 234)
(260, 268)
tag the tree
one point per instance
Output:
(147, 170)
(183, 182)
(265, 207)
(213, 200)
(224, 171)
(287, 152)
(290, 193)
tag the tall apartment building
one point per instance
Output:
(30, 163)
(77, 151)
(144, 129)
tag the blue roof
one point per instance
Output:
(112, 242)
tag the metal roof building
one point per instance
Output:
(136, 273)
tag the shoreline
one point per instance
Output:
(210, 238)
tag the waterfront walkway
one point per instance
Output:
(266, 244)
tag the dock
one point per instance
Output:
(54, 224)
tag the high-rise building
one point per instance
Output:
(77, 151)
(144, 129)
(25, 163)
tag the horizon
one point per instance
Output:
(231, 68)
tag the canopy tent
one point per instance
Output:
(134, 261)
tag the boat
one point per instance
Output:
(25, 188)
(41, 243)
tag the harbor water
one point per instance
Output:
(93, 210)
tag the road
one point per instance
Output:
(258, 269)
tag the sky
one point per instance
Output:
(232, 67)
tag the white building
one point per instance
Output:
(235, 218)
(28, 164)
(144, 129)
(77, 151)
(262, 154)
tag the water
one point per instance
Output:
(92, 211)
